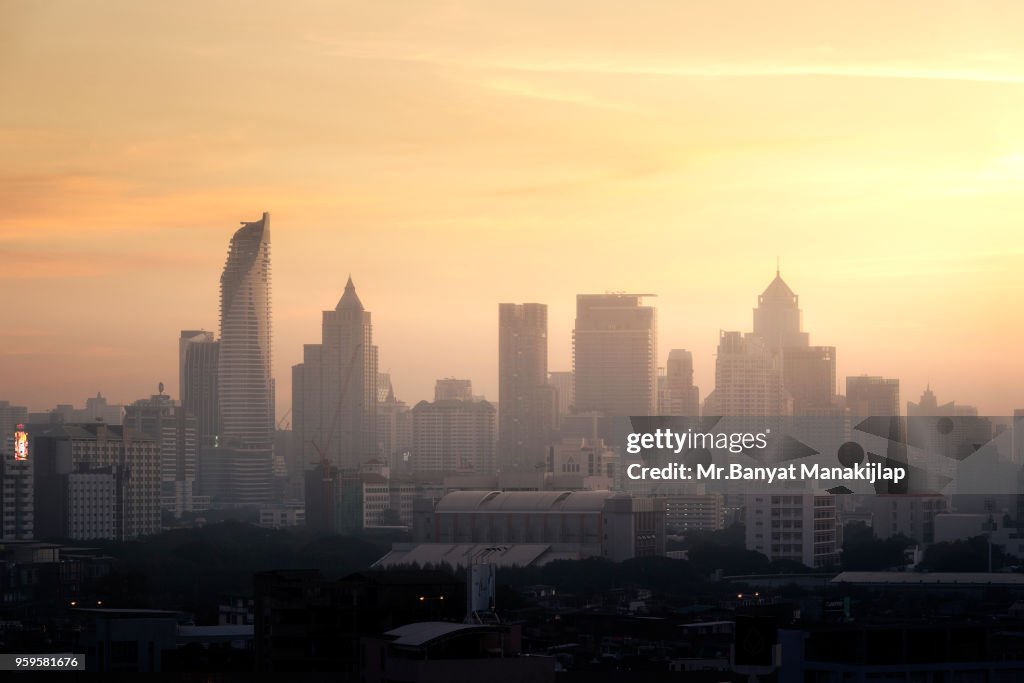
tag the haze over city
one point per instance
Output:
(451, 158)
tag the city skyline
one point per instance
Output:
(446, 155)
(284, 404)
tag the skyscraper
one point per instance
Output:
(527, 402)
(394, 430)
(451, 437)
(453, 389)
(198, 354)
(334, 389)
(159, 418)
(615, 350)
(682, 397)
(748, 379)
(17, 489)
(774, 370)
(778, 318)
(561, 380)
(872, 396)
(808, 372)
(244, 383)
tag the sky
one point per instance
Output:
(453, 155)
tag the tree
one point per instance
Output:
(863, 551)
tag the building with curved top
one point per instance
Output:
(244, 384)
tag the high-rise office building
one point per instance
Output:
(808, 372)
(394, 430)
(778, 319)
(748, 379)
(453, 437)
(527, 401)
(809, 375)
(198, 354)
(244, 383)
(615, 350)
(682, 397)
(774, 371)
(453, 389)
(334, 389)
(10, 417)
(167, 423)
(383, 386)
(872, 396)
(561, 380)
(17, 490)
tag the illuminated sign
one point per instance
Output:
(21, 443)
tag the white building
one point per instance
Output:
(794, 526)
(282, 516)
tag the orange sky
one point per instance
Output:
(454, 155)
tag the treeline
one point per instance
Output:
(192, 569)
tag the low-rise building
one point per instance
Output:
(559, 524)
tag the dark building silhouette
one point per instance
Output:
(306, 623)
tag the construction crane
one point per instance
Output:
(327, 492)
(282, 421)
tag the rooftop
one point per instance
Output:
(524, 501)
(931, 578)
(422, 633)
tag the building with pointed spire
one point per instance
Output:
(778, 319)
(334, 389)
(774, 368)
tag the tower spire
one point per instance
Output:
(778, 270)
(349, 299)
